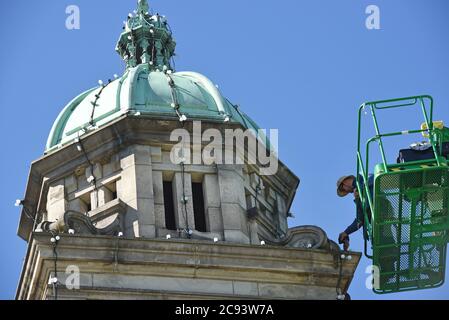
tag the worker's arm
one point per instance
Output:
(353, 227)
(343, 238)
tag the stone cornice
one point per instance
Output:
(189, 259)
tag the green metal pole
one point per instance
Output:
(381, 146)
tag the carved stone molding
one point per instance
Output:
(109, 217)
(310, 237)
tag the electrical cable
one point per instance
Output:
(55, 259)
(173, 62)
(175, 102)
(94, 182)
(153, 48)
(94, 103)
(240, 114)
(340, 275)
(184, 201)
(116, 254)
(28, 215)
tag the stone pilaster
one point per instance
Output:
(282, 213)
(159, 209)
(135, 188)
(212, 203)
(233, 203)
(56, 202)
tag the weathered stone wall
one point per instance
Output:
(135, 175)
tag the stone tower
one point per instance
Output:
(118, 209)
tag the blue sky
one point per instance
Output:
(302, 66)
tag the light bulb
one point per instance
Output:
(262, 243)
(71, 231)
(100, 82)
(182, 118)
(215, 239)
(58, 238)
(18, 203)
(168, 236)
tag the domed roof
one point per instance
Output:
(147, 92)
(148, 87)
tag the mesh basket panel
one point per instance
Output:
(410, 228)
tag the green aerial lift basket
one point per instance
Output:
(406, 216)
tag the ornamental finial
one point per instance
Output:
(146, 39)
(143, 6)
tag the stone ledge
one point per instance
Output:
(276, 271)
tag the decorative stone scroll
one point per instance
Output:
(309, 237)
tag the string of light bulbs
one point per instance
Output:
(97, 97)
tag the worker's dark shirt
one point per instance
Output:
(360, 218)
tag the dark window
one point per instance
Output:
(198, 207)
(170, 221)
(85, 199)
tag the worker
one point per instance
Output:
(345, 186)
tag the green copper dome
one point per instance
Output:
(148, 87)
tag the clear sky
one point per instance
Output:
(302, 66)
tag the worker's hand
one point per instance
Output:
(356, 193)
(346, 245)
(343, 238)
